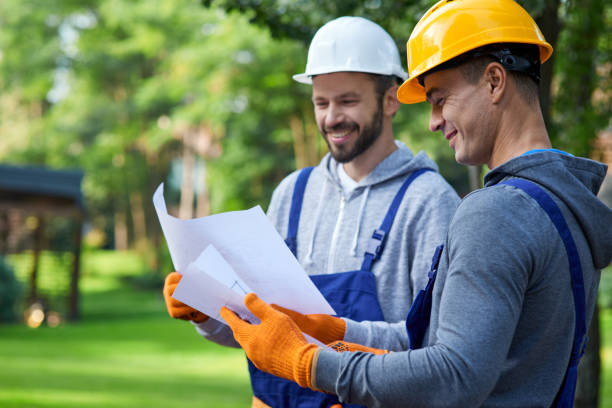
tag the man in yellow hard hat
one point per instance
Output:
(502, 320)
(364, 222)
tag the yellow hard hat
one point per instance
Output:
(453, 27)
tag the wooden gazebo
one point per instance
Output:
(27, 192)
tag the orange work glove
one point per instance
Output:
(322, 327)
(276, 345)
(176, 308)
(342, 346)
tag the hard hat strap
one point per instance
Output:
(509, 59)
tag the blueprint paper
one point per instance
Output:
(206, 293)
(211, 274)
(252, 247)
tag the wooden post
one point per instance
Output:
(73, 299)
(38, 244)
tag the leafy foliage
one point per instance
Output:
(113, 87)
(10, 292)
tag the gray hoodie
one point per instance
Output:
(502, 322)
(335, 227)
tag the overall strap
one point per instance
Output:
(377, 241)
(565, 398)
(296, 208)
(419, 314)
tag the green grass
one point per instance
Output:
(126, 352)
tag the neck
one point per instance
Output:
(363, 164)
(521, 130)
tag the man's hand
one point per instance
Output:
(276, 345)
(322, 327)
(176, 308)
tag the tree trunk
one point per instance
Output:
(187, 190)
(587, 389)
(305, 142)
(203, 198)
(121, 232)
(138, 217)
(550, 26)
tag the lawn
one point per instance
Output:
(126, 352)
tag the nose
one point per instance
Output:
(436, 121)
(334, 116)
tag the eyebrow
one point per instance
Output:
(429, 94)
(350, 94)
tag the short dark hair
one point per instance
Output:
(521, 61)
(383, 82)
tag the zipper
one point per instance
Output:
(332, 249)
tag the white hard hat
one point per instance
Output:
(352, 44)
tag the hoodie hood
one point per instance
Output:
(398, 163)
(575, 181)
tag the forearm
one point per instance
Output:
(429, 377)
(381, 335)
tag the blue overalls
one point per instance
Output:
(420, 311)
(351, 294)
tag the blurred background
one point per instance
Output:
(103, 100)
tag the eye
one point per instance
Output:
(350, 102)
(321, 104)
(439, 102)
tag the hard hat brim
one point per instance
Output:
(303, 78)
(411, 92)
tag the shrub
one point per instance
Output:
(10, 291)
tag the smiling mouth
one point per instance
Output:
(450, 135)
(339, 137)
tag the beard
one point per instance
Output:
(365, 138)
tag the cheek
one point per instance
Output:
(319, 118)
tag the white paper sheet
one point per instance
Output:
(209, 283)
(253, 249)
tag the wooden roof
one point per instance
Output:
(41, 190)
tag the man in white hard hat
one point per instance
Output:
(503, 318)
(365, 222)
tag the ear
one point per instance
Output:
(390, 102)
(496, 79)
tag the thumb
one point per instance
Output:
(257, 306)
(295, 316)
(173, 278)
(232, 319)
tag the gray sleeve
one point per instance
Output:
(488, 251)
(382, 335)
(216, 332)
(436, 203)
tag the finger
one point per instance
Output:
(172, 302)
(197, 317)
(182, 309)
(173, 278)
(232, 319)
(257, 306)
(169, 288)
(296, 316)
(180, 312)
